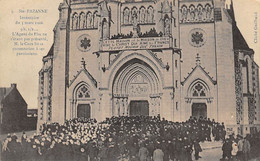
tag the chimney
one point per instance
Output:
(13, 85)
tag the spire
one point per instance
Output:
(83, 64)
(197, 59)
(232, 13)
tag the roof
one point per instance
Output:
(50, 53)
(199, 67)
(93, 80)
(4, 91)
(239, 42)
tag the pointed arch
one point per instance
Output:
(142, 14)
(126, 15)
(95, 20)
(89, 20)
(198, 88)
(82, 91)
(136, 75)
(150, 14)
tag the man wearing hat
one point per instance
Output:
(240, 147)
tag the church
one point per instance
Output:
(173, 58)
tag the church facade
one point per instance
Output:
(173, 58)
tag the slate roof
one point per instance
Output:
(50, 53)
(4, 91)
(239, 42)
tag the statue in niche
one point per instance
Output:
(204, 14)
(136, 28)
(200, 14)
(188, 15)
(126, 16)
(142, 15)
(89, 20)
(95, 20)
(195, 14)
(75, 21)
(208, 12)
(82, 22)
(184, 13)
(192, 13)
(105, 29)
(167, 25)
(150, 14)
(134, 17)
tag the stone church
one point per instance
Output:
(173, 58)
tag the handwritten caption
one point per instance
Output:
(29, 39)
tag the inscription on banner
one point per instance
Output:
(136, 43)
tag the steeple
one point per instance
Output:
(231, 11)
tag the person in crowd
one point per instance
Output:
(197, 149)
(234, 150)
(143, 153)
(116, 138)
(240, 155)
(158, 154)
(246, 148)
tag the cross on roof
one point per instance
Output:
(83, 63)
(198, 59)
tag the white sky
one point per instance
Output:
(23, 70)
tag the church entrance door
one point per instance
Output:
(138, 108)
(83, 111)
(199, 110)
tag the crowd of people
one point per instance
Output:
(135, 138)
(241, 148)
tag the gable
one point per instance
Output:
(81, 75)
(199, 72)
(14, 97)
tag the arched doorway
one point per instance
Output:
(81, 104)
(199, 98)
(136, 90)
(138, 108)
(83, 111)
(199, 110)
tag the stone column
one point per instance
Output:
(126, 106)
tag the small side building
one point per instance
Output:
(13, 110)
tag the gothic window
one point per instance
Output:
(167, 25)
(83, 92)
(142, 15)
(126, 16)
(82, 20)
(95, 20)
(199, 90)
(75, 21)
(134, 15)
(89, 20)
(150, 14)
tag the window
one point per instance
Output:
(177, 108)
(176, 64)
(176, 83)
(83, 92)
(199, 91)
(217, 14)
